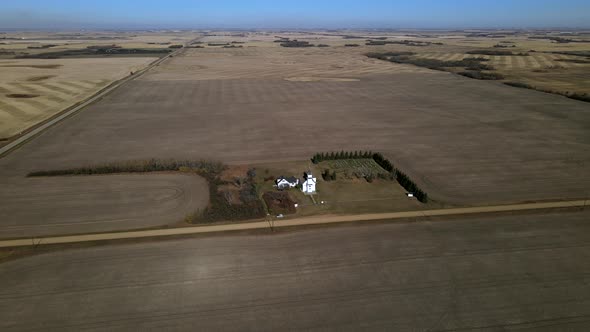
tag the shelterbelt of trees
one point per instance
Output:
(402, 178)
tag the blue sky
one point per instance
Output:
(34, 14)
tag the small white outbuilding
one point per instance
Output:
(309, 184)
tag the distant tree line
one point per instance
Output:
(403, 179)
(500, 45)
(572, 95)
(488, 35)
(573, 60)
(496, 53)
(103, 47)
(576, 53)
(373, 42)
(295, 43)
(42, 46)
(136, 166)
(353, 37)
(578, 96)
(470, 63)
(519, 85)
(95, 52)
(479, 75)
(560, 40)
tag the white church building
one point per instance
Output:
(309, 184)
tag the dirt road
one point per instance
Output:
(289, 223)
(479, 273)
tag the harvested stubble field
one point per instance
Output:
(86, 204)
(544, 70)
(55, 85)
(502, 273)
(463, 141)
(58, 83)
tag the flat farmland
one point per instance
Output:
(32, 90)
(544, 70)
(525, 272)
(69, 205)
(466, 142)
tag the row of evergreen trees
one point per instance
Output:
(402, 178)
(319, 157)
(381, 161)
(138, 166)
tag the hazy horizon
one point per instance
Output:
(306, 14)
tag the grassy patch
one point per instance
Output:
(341, 196)
(279, 202)
(360, 160)
(360, 168)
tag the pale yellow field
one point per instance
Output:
(32, 90)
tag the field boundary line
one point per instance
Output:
(317, 220)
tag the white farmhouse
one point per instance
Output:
(309, 184)
(286, 183)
